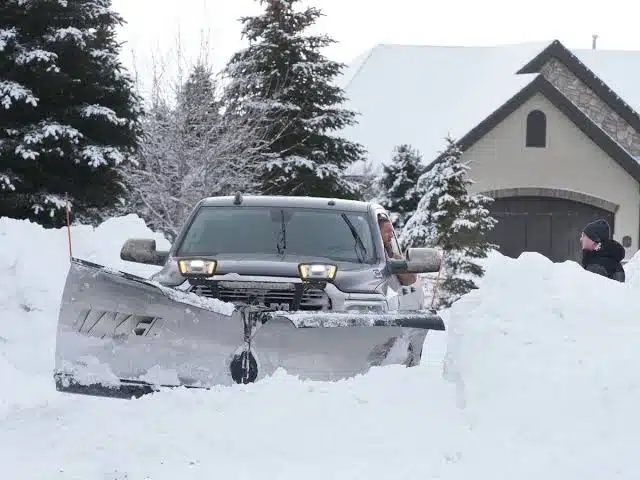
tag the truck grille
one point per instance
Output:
(279, 296)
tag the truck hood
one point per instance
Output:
(351, 277)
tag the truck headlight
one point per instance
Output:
(317, 271)
(379, 306)
(197, 267)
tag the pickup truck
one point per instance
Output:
(259, 243)
(250, 285)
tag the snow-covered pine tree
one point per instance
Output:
(454, 220)
(70, 115)
(398, 184)
(197, 102)
(283, 77)
(369, 185)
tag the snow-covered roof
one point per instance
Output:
(352, 69)
(419, 94)
(619, 69)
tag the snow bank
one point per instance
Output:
(34, 262)
(632, 270)
(542, 356)
(536, 379)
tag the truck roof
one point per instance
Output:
(289, 201)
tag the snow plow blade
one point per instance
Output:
(120, 335)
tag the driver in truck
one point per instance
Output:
(392, 249)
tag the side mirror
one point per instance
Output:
(141, 250)
(419, 260)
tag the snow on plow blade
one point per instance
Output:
(121, 335)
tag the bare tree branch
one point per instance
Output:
(193, 148)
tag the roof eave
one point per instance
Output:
(554, 49)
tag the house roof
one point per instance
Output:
(352, 69)
(420, 94)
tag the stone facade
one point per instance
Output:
(592, 105)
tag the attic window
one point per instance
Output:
(536, 129)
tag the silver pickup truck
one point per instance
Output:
(250, 285)
(260, 242)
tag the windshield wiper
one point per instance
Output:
(281, 246)
(360, 249)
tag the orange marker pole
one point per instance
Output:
(69, 226)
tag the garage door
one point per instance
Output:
(550, 226)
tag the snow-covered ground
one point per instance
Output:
(539, 380)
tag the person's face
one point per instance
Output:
(386, 229)
(586, 243)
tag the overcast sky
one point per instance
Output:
(357, 25)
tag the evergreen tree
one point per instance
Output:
(398, 184)
(369, 183)
(197, 102)
(455, 221)
(283, 78)
(70, 116)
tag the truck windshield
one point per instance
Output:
(331, 234)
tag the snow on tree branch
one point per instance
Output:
(51, 204)
(6, 35)
(102, 55)
(7, 182)
(40, 137)
(70, 111)
(42, 56)
(97, 156)
(103, 112)
(31, 3)
(13, 91)
(73, 34)
(449, 217)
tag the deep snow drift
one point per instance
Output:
(536, 377)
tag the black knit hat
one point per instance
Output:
(598, 230)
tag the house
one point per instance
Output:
(553, 135)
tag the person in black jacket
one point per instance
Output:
(600, 253)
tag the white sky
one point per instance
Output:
(357, 25)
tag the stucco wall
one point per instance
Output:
(571, 161)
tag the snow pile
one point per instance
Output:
(535, 379)
(632, 270)
(34, 262)
(542, 354)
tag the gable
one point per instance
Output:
(540, 85)
(588, 81)
(583, 87)
(570, 158)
